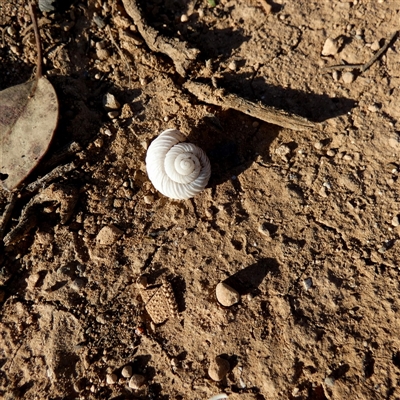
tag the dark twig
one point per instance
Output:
(13, 196)
(367, 65)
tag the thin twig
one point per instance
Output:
(13, 196)
(55, 173)
(268, 114)
(38, 43)
(379, 53)
(367, 65)
(121, 54)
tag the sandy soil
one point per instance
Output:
(303, 224)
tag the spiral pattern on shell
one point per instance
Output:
(177, 170)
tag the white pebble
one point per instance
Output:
(396, 220)
(218, 369)
(110, 102)
(318, 145)
(331, 47)
(232, 66)
(373, 108)
(111, 379)
(136, 381)
(330, 153)
(375, 46)
(184, 18)
(226, 295)
(348, 77)
(126, 371)
(102, 54)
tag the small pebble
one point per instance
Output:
(101, 319)
(331, 47)
(77, 284)
(322, 192)
(318, 145)
(348, 77)
(226, 295)
(375, 46)
(111, 379)
(110, 102)
(330, 153)
(11, 30)
(308, 283)
(136, 381)
(373, 108)
(329, 381)
(107, 132)
(232, 66)
(108, 235)
(102, 54)
(336, 75)
(184, 18)
(347, 157)
(15, 49)
(255, 124)
(218, 369)
(126, 371)
(148, 199)
(396, 220)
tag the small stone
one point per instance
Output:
(331, 47)
(375, 46)
(226, 295)
(396, 220)
(77, 284)
(107, 132)
(348, 77)
(111, 379)
(373, 108)
(283, 151)
(184, 18)
(15, 49)
(308, 283)
(218, 369)
(232, 66)
(336, 75)
(11, 30)
(102, 54)
(110, 102)
(318, 145)
(136, 381)
(80, 385)
(148, 199)
(101, 319)
(347, 157)
(255, 124)
(126, 371)
(330, 153)
(108, 235)
(329, 381)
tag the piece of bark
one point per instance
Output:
(182, 56)
(220, 97)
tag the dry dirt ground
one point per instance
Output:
(303, 224)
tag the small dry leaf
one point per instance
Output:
(27, 124)
(28, 119)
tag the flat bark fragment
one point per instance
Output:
(220, 97)
(182, 56)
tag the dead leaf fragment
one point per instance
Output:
(27, 124)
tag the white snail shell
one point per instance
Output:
(177, 170)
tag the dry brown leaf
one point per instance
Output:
(28, 119)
